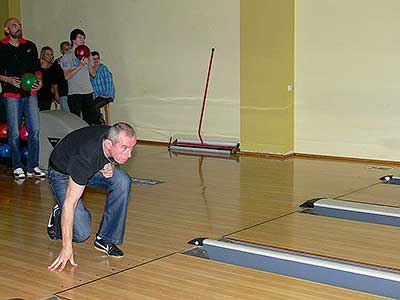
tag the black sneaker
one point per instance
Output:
(51, 225)
(109, 248)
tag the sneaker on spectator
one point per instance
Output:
(19, 173)
(109, 248)
(37, 172)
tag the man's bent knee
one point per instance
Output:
(81, 237)
(81, 233)
(123, 180)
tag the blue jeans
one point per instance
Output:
(112, 225)
(64, 103)
(14, 109)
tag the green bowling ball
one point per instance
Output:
(27, 80)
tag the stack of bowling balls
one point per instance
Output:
(4, 147)
(5, 151)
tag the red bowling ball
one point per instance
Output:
(3, 131)
(23, 133)
(82, 51)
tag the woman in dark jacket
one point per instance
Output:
(45, 94)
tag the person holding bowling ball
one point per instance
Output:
(19, 56)
(77, 71)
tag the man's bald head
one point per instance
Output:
(10, 19)
(13, 27)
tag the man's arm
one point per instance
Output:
(38, 85)
(69, 73)
(56, 93)
(15, 81)
(72, 196)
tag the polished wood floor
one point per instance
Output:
(346, 240)
(251, 198)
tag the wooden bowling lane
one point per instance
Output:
(194, 201)
(253, 183)
(381, 194)
(26, 250)
(372, 244)
(185, 277)
(200, 197)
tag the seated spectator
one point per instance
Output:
(103, 85)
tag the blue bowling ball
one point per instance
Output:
(5, 150)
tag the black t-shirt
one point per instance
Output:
(80, 153)
(60, 80)
(45, 94)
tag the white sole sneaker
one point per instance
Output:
(19, 174)
(30, 175)
(37, 173)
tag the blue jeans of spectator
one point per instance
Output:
(64, 103)
(112, 225)
(14, 109)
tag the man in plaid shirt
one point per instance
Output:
(103, 85)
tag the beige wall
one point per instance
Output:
(3, 14)
(346, 68)
(347, 78)
(267, 68)
(9, 8)
(158, 52)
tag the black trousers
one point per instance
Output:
(3, 118)
(99, 102)
(84, 104)
(44, 105)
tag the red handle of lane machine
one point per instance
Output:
(205, 96)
